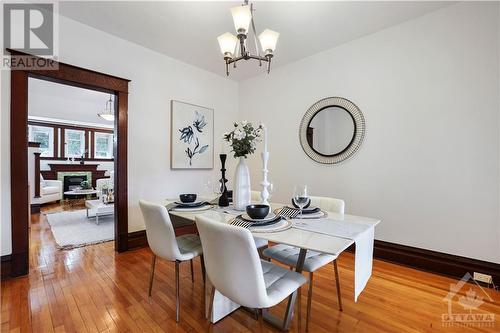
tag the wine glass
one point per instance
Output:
(300, 197)
(217, 188)
(270, 189)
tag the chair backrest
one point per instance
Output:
(255, 196)
(232, 262)
(159, 231)
(329, 204)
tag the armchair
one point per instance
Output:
(50, 190)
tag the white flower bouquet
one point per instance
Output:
(243, 138)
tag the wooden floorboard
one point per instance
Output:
(95, 289)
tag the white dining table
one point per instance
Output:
(303, 239)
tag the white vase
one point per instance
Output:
(241, 189)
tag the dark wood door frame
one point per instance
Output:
(78, 77)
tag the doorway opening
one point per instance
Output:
(73, 76)
(71, 133)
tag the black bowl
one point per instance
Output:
(257, 211)
(187, 198)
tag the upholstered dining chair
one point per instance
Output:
(162, 241)
(261, 243)
(288, 255)
(236, 271)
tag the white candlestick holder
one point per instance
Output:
(264, 195)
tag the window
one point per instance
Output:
(103, 145)
(45, 136)
(74, 143)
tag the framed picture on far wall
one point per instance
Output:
(192, 136)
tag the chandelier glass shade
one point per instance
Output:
(234, 48)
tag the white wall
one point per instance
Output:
(429, 165)
(156, 79)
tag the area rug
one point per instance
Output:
(73, 229)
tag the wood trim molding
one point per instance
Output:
(62, 139)
(69, 126)
(87, 144)
(121, 168)
(5, 267)
(34, 144)
(77, 159)
(37, 175)
(78, 77)
(19, 171)
(137, 239)
(56, 142)
(433, 261)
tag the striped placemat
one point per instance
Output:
(288, 212)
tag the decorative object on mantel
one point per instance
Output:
(108, 113)
(234, 51)
(82, 158)
(223, 199)
(192, 136)
(332, 130)
(243, 140)
(264, 195)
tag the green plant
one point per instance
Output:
(243, 138)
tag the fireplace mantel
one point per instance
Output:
(55, 168)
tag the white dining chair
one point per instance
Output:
(261, 243)
(289, 255)
(235, 269)
(162, 241)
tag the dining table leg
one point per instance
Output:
(284, 323)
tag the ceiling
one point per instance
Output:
(66, 103)
(187, 30)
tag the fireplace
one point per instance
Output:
(73, 182)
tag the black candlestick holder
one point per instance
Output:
(223, 200)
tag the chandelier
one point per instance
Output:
(108, 113)
(234, 48)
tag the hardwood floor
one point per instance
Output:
(94, 289)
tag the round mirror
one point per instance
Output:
(332, 130)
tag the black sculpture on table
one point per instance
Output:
(223, 200)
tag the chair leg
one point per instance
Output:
(309, 299)
(337, 280)
(153, 265)
(192, 271)
(177, 300)
(299, 310)
(261, 320)
(211, 304)
(202, 262)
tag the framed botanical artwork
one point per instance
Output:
(192, 136)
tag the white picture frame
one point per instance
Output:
(192, 136)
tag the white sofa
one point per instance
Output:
(50, 190)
